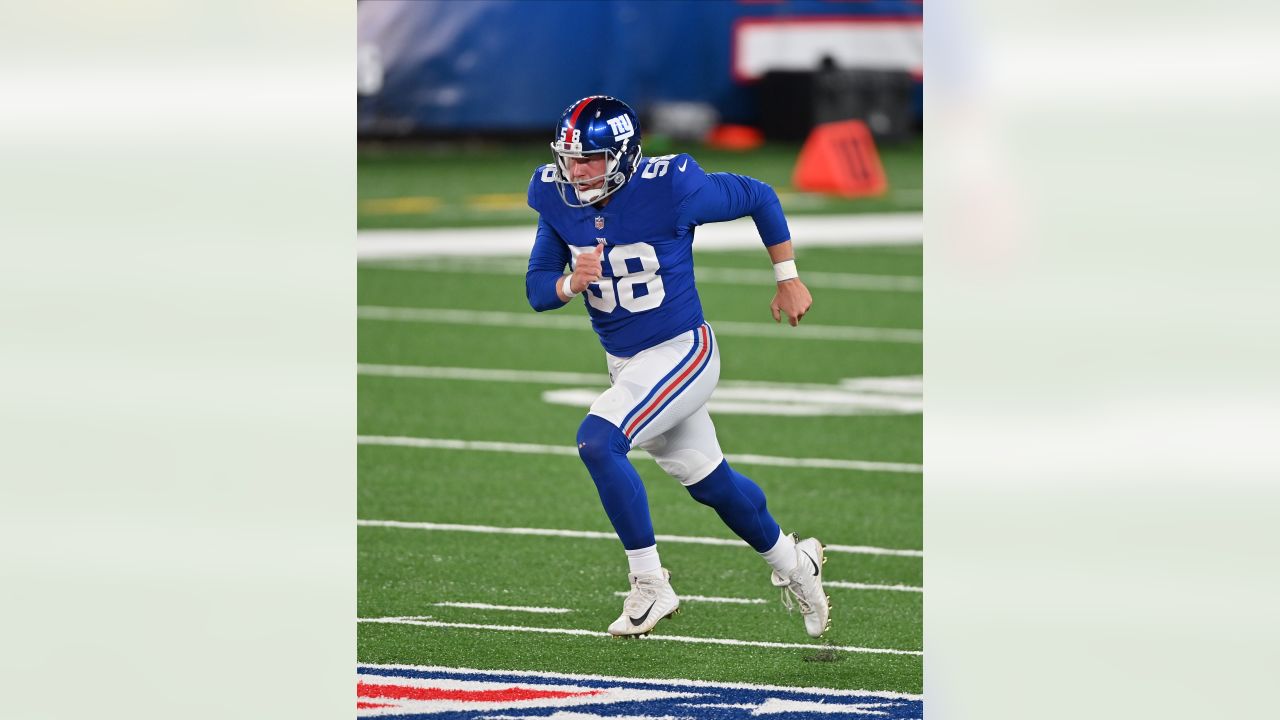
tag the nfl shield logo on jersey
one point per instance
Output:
(599, 223)
(406, 692)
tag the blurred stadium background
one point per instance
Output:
(456, 100)
(466, 395)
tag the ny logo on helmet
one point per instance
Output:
(622, 127)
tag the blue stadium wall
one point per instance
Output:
(489, 66)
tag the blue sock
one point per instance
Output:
(740, 504)
(603, 449)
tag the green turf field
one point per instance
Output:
(405, 571)
(410, 188)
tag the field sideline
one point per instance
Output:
(482, 543)
(403, 186)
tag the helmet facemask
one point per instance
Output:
(619, 165)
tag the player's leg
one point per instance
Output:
(683, 442)
(682, 439)
(646, 387)
(603, 449)
(691, 454)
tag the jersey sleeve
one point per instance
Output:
(546, 266)
(704, 197)
(538, 189)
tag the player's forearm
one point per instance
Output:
(781, 252)
(541, 287)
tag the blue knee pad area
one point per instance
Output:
(603, 449)
(740, 503)
(599, 441)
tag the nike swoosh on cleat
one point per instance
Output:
(686, 162)
(815, 565)
(640, 620)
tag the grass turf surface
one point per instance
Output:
(403, 187)
(405, 571)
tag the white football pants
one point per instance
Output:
(658, 399)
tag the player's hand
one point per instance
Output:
(792, 299)
(587, 269)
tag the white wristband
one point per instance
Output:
(566, 288)
(785, 270)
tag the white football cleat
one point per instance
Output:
(650, 600)
(804, 583)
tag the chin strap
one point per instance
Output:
(589, 196)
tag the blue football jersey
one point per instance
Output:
(646, 294)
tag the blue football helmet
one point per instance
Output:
(596, 125)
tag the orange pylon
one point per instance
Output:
(840, 158)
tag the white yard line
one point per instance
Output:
(597, 535)
(813, 279)
(851, 396)
(480, 445)
(568, 450)
(720, 275)
(494, 318)
(669, 638)
(705, 598)
(807, 230)
(865, 586)
(825, 463)
(825, 583)
(727, 400)
(892, 695)
(513, 608)
(900, 385)
(484, 375)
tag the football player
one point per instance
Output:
(624, 224)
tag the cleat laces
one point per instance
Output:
(644, 593)
(790, 598)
